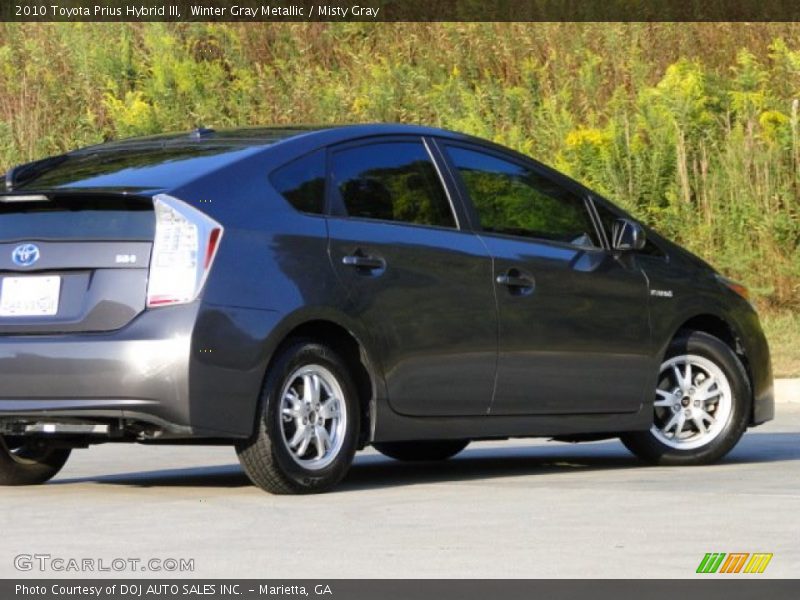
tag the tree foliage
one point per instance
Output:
(692, 127)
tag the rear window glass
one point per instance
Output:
(129, 167)
(78, 218)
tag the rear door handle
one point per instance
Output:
(516, 281)
(369, 263)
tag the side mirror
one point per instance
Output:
(627, 235)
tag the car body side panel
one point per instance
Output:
(579, 341)
(271, 271)
(391, 426)
(431, 311)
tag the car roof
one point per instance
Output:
(266, 136)
(165, 161)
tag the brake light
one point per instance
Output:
(184, 248)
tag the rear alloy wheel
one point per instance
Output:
(421, 451)
(29, 461)
(307, 433)
(701, 405)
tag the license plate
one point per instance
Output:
(29, 296)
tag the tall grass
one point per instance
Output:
(692, 127)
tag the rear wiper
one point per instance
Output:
(21, 173)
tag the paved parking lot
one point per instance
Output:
(509, 509)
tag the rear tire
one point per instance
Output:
(28, 461)
(697, 419)
(421, 451)
(307, 430)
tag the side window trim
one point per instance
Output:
(442, 180)
(335, 204)
(598, 223)
(522, 161)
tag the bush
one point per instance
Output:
(692, 127)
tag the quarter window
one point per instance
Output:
(302, 183)
(391, 181)
(511, 199)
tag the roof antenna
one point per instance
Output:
(201, 132)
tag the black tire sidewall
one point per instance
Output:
(295, 357)
(33, 472)
(648, 447)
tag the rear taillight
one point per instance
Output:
(185, 245)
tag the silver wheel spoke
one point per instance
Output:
(698, 422)
(672, 422)
(665, 398)
(322, 440)
(679, 425)
(328, 410)
(707, 395)
(291, 414)
(684, 379)
(306, 440)
(705, 416)
(676, 372)
(297, 437)
(311, 388)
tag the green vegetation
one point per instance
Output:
(783, 331)
(692, 127)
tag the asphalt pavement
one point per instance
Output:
(505, 509)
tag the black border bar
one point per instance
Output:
(398, 10)
(711, 587)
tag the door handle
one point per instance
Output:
(368, 263)
(516, 281)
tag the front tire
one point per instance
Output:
(307, 431)
(421, 451)
(28, 461)
(701, 408)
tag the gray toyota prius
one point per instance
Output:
(303, 293)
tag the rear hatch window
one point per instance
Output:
(75, 217)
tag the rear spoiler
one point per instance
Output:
(20, 173)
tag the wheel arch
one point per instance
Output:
(725, 331)
(350, 346)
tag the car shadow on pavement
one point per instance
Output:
(373, 471)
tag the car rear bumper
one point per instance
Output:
(141, 371)
(185, 371)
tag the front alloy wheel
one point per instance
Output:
(701, 405)
(693, 403)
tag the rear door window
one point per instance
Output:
(391, 181)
